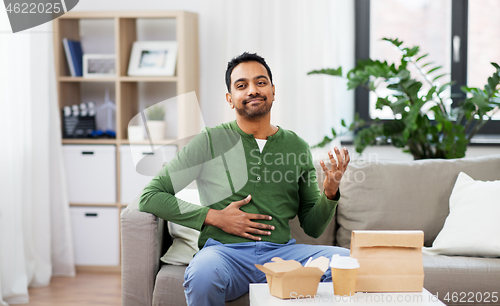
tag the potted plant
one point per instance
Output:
(438, 130)
(156, 121)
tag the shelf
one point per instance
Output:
(148, 79)
(119, 205)
(146, 142)
(82, 79)
(123, 14)
(95, 204)
(122, 79)
(88, 141)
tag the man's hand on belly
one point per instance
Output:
(234, 221)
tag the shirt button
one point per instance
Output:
(259, 163)
(258, 178)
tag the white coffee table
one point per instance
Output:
(260, 296)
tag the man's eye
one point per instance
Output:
(262, 83)
(240, 86)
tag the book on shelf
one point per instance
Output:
(74, 56)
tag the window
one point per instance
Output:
(449, 30)
(483, 42)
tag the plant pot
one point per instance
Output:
(156, 129)
(135, 133)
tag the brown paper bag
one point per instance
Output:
(390, 261)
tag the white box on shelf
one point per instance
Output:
(95, 235)
(132, 182)
(90, 173)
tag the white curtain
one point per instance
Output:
(294, 36)
(35, 234)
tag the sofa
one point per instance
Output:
(376, 195)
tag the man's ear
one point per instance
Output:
(273, 92)
(229, 99)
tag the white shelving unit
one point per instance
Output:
(96, 223)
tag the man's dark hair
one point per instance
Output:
(243, 58)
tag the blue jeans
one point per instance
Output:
(222, 272)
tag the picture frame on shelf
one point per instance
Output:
(153, 58)
(99, 65)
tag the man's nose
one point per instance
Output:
(253, 90)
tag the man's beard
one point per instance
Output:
(254, 112)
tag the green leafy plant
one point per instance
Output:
(155, 112)
(438, 130)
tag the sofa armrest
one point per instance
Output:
(141, 237)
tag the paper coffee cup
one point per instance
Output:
(344, 271)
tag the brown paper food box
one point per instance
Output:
(285, 277)
(390, 261)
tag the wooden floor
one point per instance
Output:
(83, 290)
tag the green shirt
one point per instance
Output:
(228, 166)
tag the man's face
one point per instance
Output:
(252, 93)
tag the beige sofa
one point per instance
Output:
(375, 195)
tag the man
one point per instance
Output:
(253, 177)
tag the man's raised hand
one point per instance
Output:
(234, 221)
(334, 175)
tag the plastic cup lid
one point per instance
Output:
(344, 262)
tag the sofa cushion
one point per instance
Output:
(302, 238)
(471, 202)
(404, 195)
(169, 290)
(457, 274)
(185, 239)
(168, 286)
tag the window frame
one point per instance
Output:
(459, 26)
